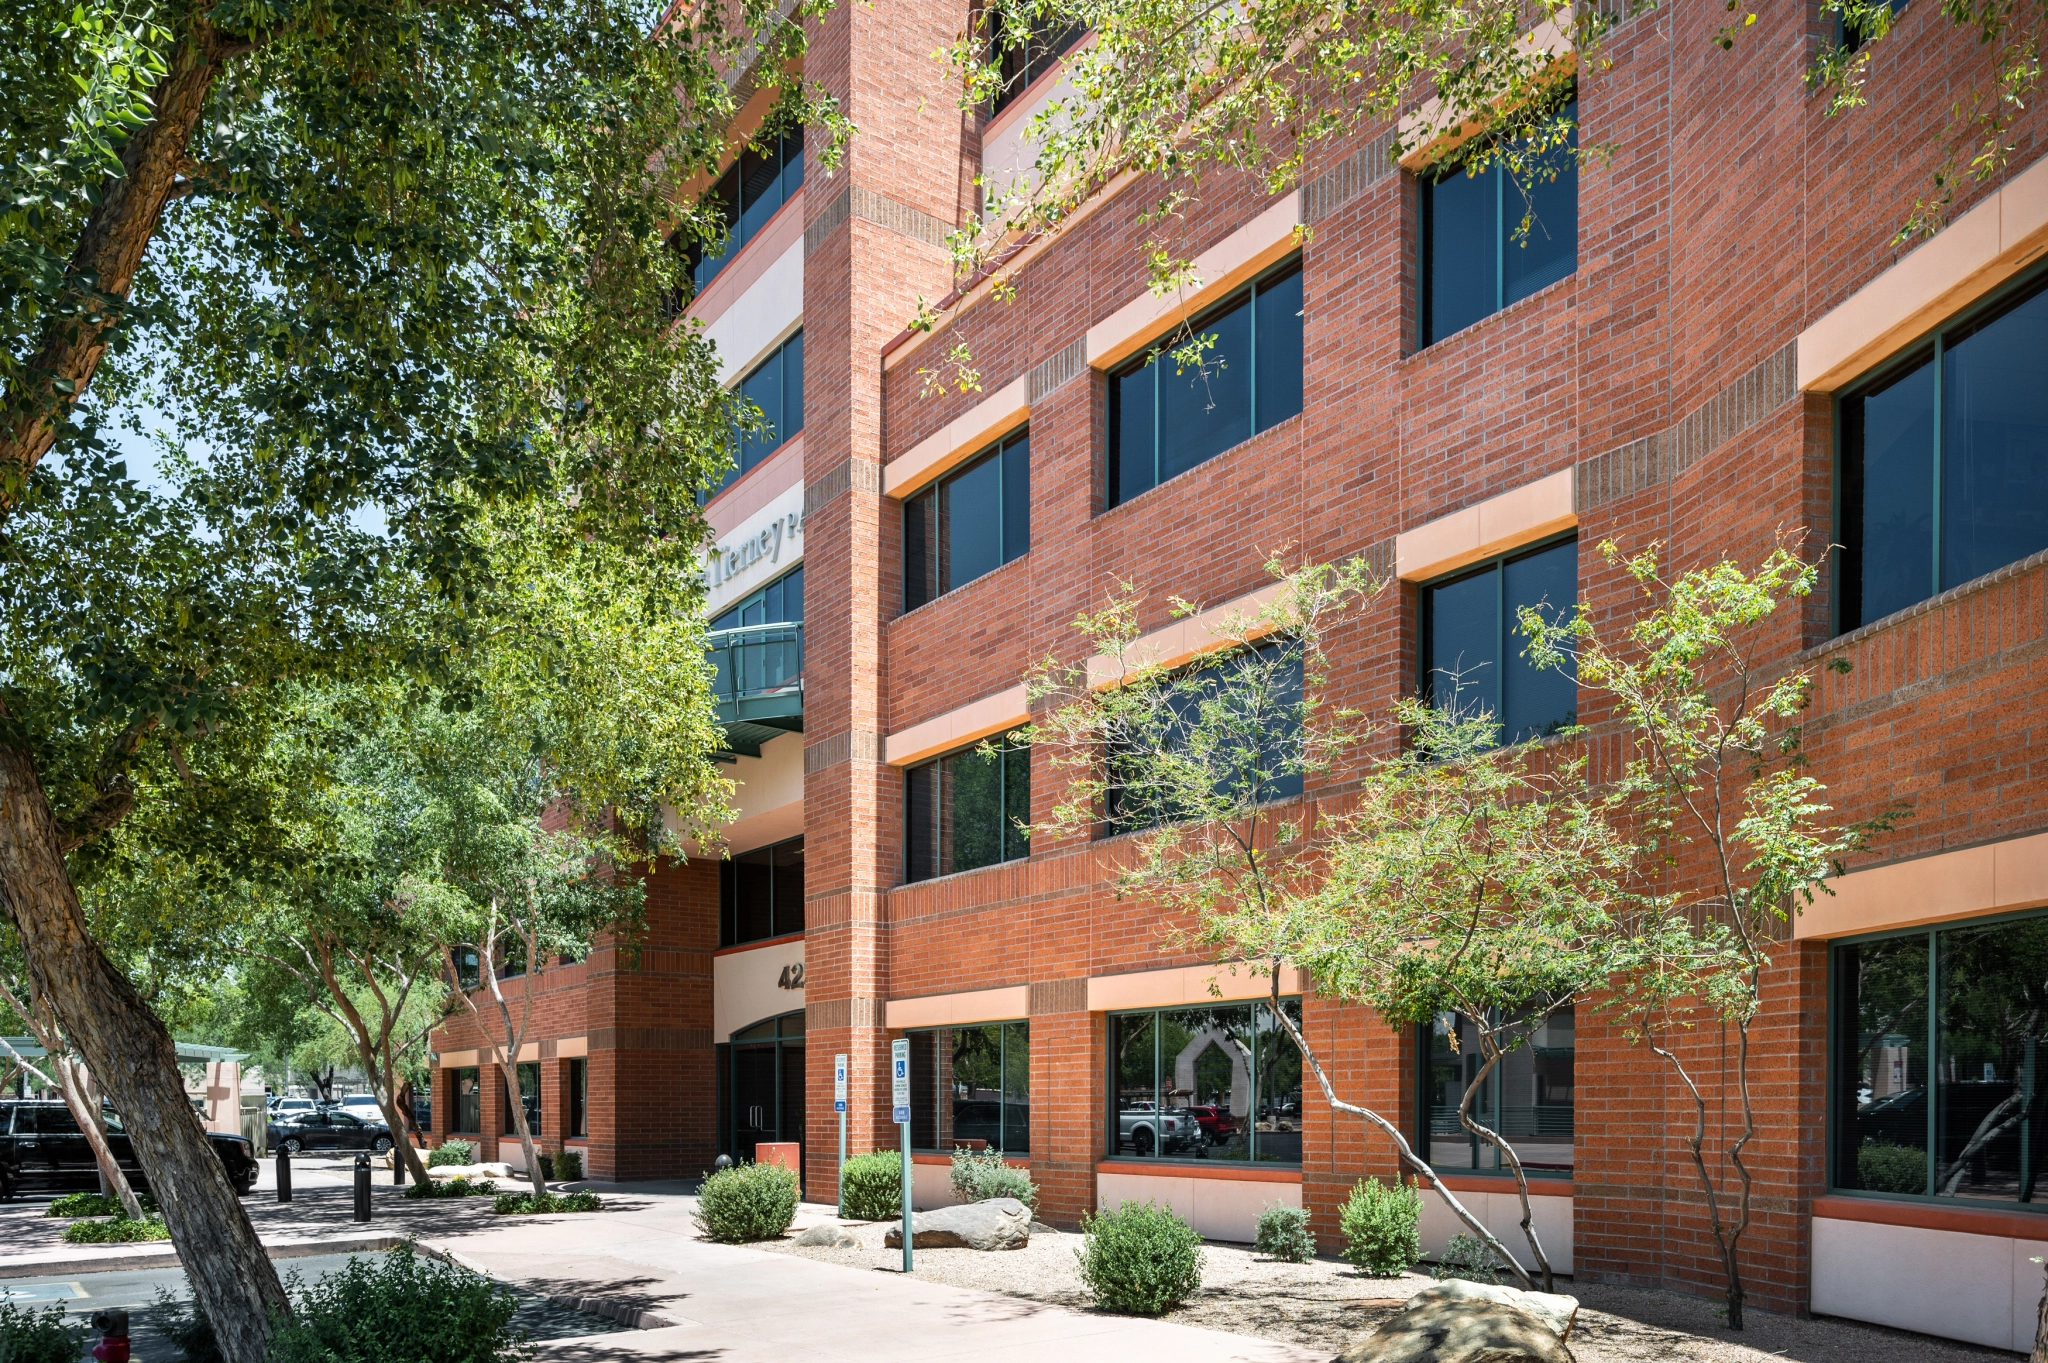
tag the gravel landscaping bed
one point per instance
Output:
(1326, 1305)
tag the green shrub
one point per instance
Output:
(1140, 1259)
(118, 1230)
(526, 1204)
(452, 1152)
(28, 1335)
(1379, 1222)
(1467, 1257)
(569, 1166)
(979, 1175)
(94, 1204)
(1283, 1233)
(459, 1186)
(746, 1202)
(1884, 1168)
(185, 1325)
(871, 1187)
(399, 1305)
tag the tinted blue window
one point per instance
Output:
(1492, 239)
(776, 386)
(969, 523)
(1944, 471)
(750, 192)
(792, 385)
(1473, 647)
(1166, 417)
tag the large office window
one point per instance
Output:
(968, 523)
(761, 893)
(1220, 1083)
(967, 810)
(468, 1100)
(778, 601)
(579, 1098)
(1942, 1100)
(971, 1086)
(1166, 417)
(529, 1098)
(1248, 703)
(1493, 238)
(1527, 1098)
(1023, 63)
(1944, 463)
(748, 195)
(1472, 644)
(776, 386)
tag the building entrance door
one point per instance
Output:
(767, 1085)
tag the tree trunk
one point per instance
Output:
(373, 1053)
(127, 1048)
(1505, 1152)
(526, 1146)
(86, 1113)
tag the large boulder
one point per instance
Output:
(828, 1236)
(1447, 1328)
(999, 1223)
(1552, 1308)
(470, 1171)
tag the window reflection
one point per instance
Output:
(971, 1086)
(1528, 1098)
(1220, 1083)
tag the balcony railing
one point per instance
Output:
(759, 675)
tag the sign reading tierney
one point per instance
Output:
(727, 562)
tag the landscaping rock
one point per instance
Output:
(999, 1223)
(829, 1237)
(471, 1171)
(1552, 1308)
(1447, 1328)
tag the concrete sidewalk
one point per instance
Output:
(727, 1304)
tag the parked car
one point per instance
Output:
(363, 1105)
(331, 1129)
(986, 1120)
(42, 1149)
(1217, 1123)
(294, 1106)
(1143, 1128)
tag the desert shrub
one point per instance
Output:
(871, 1187)
(452, 1152)
(1283, 1233)
(458, 1186)
(94, 1204)
(526, 1204)
(28, 1335)
(569, 1166)
(746, 1202)
(982, 1174)
(116, 1231)
(1884, 1168)
(1380, 1224)
(1467, 1257)
(1140, 1259)
(185, 1325)
(399, 1305)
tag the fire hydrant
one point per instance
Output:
(113, 1343)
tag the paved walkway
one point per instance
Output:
(729, 1304)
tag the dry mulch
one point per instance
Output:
(1325, 1304)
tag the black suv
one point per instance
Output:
(42, 1148)
(327, 1129)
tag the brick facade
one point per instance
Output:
(1728, 216)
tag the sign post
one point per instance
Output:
(839, 1106)
(899, 1095)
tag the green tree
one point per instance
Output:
(1716, 784)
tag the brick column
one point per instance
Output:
(874, 242)
(1067, 1084)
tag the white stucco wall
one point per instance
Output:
(1979, 1288)
(765, 314)
(1502, 1214)
(746, 986)
(1218, 1208)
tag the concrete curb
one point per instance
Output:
(165, 1258)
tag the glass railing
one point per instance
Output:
(758, 672)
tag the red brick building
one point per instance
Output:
(1710, 339)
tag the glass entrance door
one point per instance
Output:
(767, 1085)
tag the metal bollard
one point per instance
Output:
(397, 1168)
(284, 1174)
(363, 1187)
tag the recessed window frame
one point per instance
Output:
(1039, 55)
(1008, 751)
(1160, 353)
(1927, 348)
(1112, 1126)
(1424, 1137)
(577, 1084)
(789, 397)
(1003, 1103)
(781, 922)
(929, 504)
(466, 1111)
(788, 181)
(1834, 1087)
(1497, 564)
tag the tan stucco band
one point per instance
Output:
(1188, 985)
(1436, 128)
(970, 723)
(1186, 640)
(947, 1010)
(1995, 877)
(958, 440)
(1965, 262)
(1518, 516)
(1233, 261)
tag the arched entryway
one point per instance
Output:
(763, 1085)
